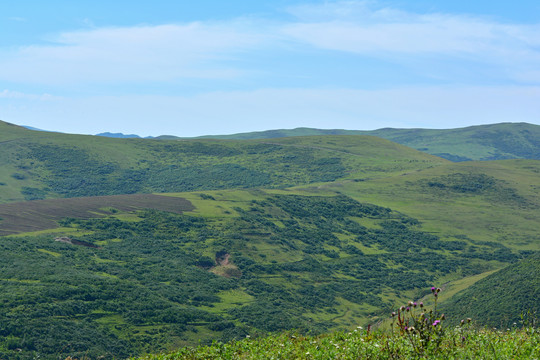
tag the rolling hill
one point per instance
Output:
(241, 237)
(38, 165)
(482, 142)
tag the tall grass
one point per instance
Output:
(456, 343)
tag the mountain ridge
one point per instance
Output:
(477, 142)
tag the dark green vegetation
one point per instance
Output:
(483, 142)
(328, 232)
(38, 165)
(156, 280)
(508, 297)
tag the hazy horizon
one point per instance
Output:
(205, 68)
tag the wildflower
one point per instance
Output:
(433, 288)
(402, 308)
(468, 320)
(408, 309)
(437, 322)
(393, 313)
(462, 322)
(438, 290)
(410, 303)
(443, 317)
(415, 304)
(421, 304)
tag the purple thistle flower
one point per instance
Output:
(437, 322)
(433, 289)
(421, 304)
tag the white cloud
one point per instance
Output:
(9, 94)
(131, 54)
(361, 27)
(171, 53)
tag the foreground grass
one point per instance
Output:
(456, 343)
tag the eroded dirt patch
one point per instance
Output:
(39, 215)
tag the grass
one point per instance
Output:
(364, 344)
(505, 140)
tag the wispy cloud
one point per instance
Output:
(18, 19)
(366, 28)
(218, 50)
(10, 94)
(132, 54)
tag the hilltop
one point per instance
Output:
(482, 142)
(40, 165)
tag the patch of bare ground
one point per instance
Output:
(39, 215)
(224, 267)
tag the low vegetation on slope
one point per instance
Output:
(483, 142)
(37, 165)
(504, 298)
(350, 227)
(362, 344)
(242, 263)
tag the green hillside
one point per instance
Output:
(39, 165)
(507, 297)
(237, 263)
(246, 237)
(483, 142)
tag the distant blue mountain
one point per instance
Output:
(119, 135)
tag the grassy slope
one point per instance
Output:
(502, 298)
(484, 142)
(37, 165)
(277, 276)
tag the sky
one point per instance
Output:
(190, 68)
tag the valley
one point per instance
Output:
(201, 240)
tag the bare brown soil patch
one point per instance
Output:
(39, 215)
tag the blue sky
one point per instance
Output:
(214, 67)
